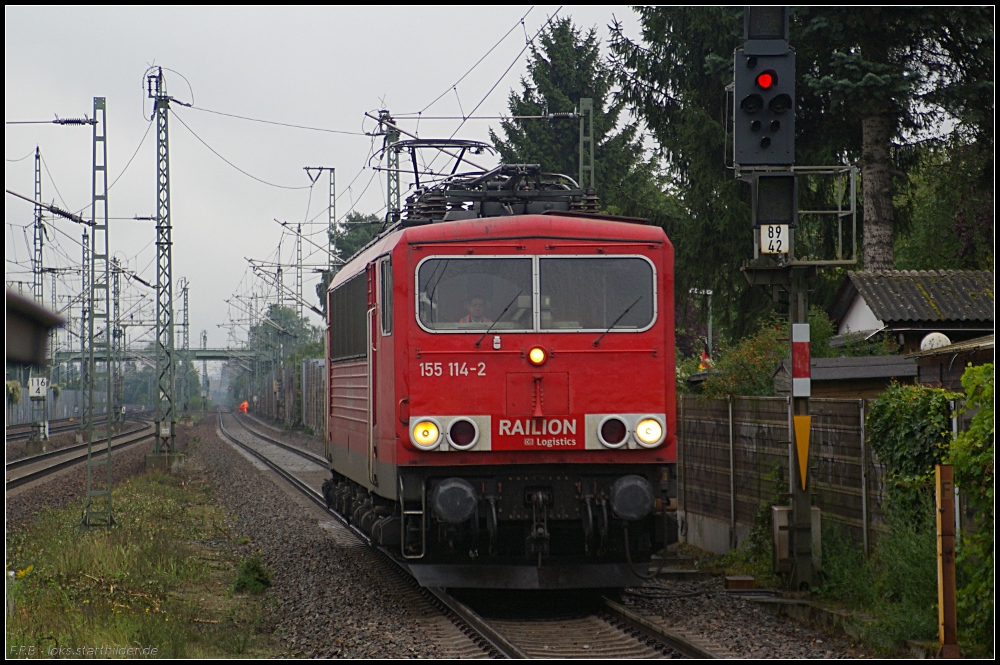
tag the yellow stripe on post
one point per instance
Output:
(803, 424)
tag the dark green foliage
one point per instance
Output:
(973, 457)
(855, 346)
(674, 81)
(252, 576)
(747, 367)
(946, 208)
(356, 231)
(909, 429)
(895, 587)
(911, 64)
(566, 67)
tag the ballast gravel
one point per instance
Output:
(329, 597)
(740, 626)
(330, 600)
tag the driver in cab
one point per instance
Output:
(476, 308)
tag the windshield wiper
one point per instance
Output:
(598, 340)
(480, 341)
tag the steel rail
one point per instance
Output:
(47, 470)
(489, 637)
(61, 425)
(677, 642)
(311, 456)
(24, 461)
(58, 429)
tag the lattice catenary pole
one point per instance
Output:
(165, 416)
(97, 510)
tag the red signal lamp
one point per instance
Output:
(766, 79)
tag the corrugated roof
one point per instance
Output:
(927, 295)
(863, 367)
(977, 344)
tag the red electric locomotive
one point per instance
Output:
(501, 387)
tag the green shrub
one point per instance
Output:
(972, 455)
(896, 587)
(252, 576)
(748, 367)
(909, 429)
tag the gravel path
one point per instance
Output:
(737, 625)
(332, 596)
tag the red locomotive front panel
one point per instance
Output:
(540, 345)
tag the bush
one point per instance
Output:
(895, 587)
(973, 460)
(909, 429)
(252, 576)
(748, 367)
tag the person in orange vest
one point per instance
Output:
(244, 405)
(476, 308)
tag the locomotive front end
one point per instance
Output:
(537, 433)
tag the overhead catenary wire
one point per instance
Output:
(506, 71)
(279, 124)
(462, 77)
(249, 175)
(527, 43)
(21, 159)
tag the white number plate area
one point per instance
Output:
(453, 369)
(774, 239)
(37, 387)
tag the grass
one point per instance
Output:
(895, 588)
(160, 580)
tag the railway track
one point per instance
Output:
(23, 430)
(57, 426)
(604, 629)
(29, 469)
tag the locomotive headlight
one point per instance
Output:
(612, 432)
(537, 356)
(426, 434)
(649, 432)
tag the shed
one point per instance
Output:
(943, 367)
(849, 378)
(910, 304)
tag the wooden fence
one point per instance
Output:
(733, 460)
(734, 457)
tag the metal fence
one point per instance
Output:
(303, 392)
(69, 404)
(734, 455)
(314, 395)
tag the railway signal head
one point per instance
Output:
(764, 122)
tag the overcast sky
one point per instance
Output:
(317, 67)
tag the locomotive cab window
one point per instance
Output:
(582, 293)
(458, 294)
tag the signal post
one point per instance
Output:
(764, 157)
